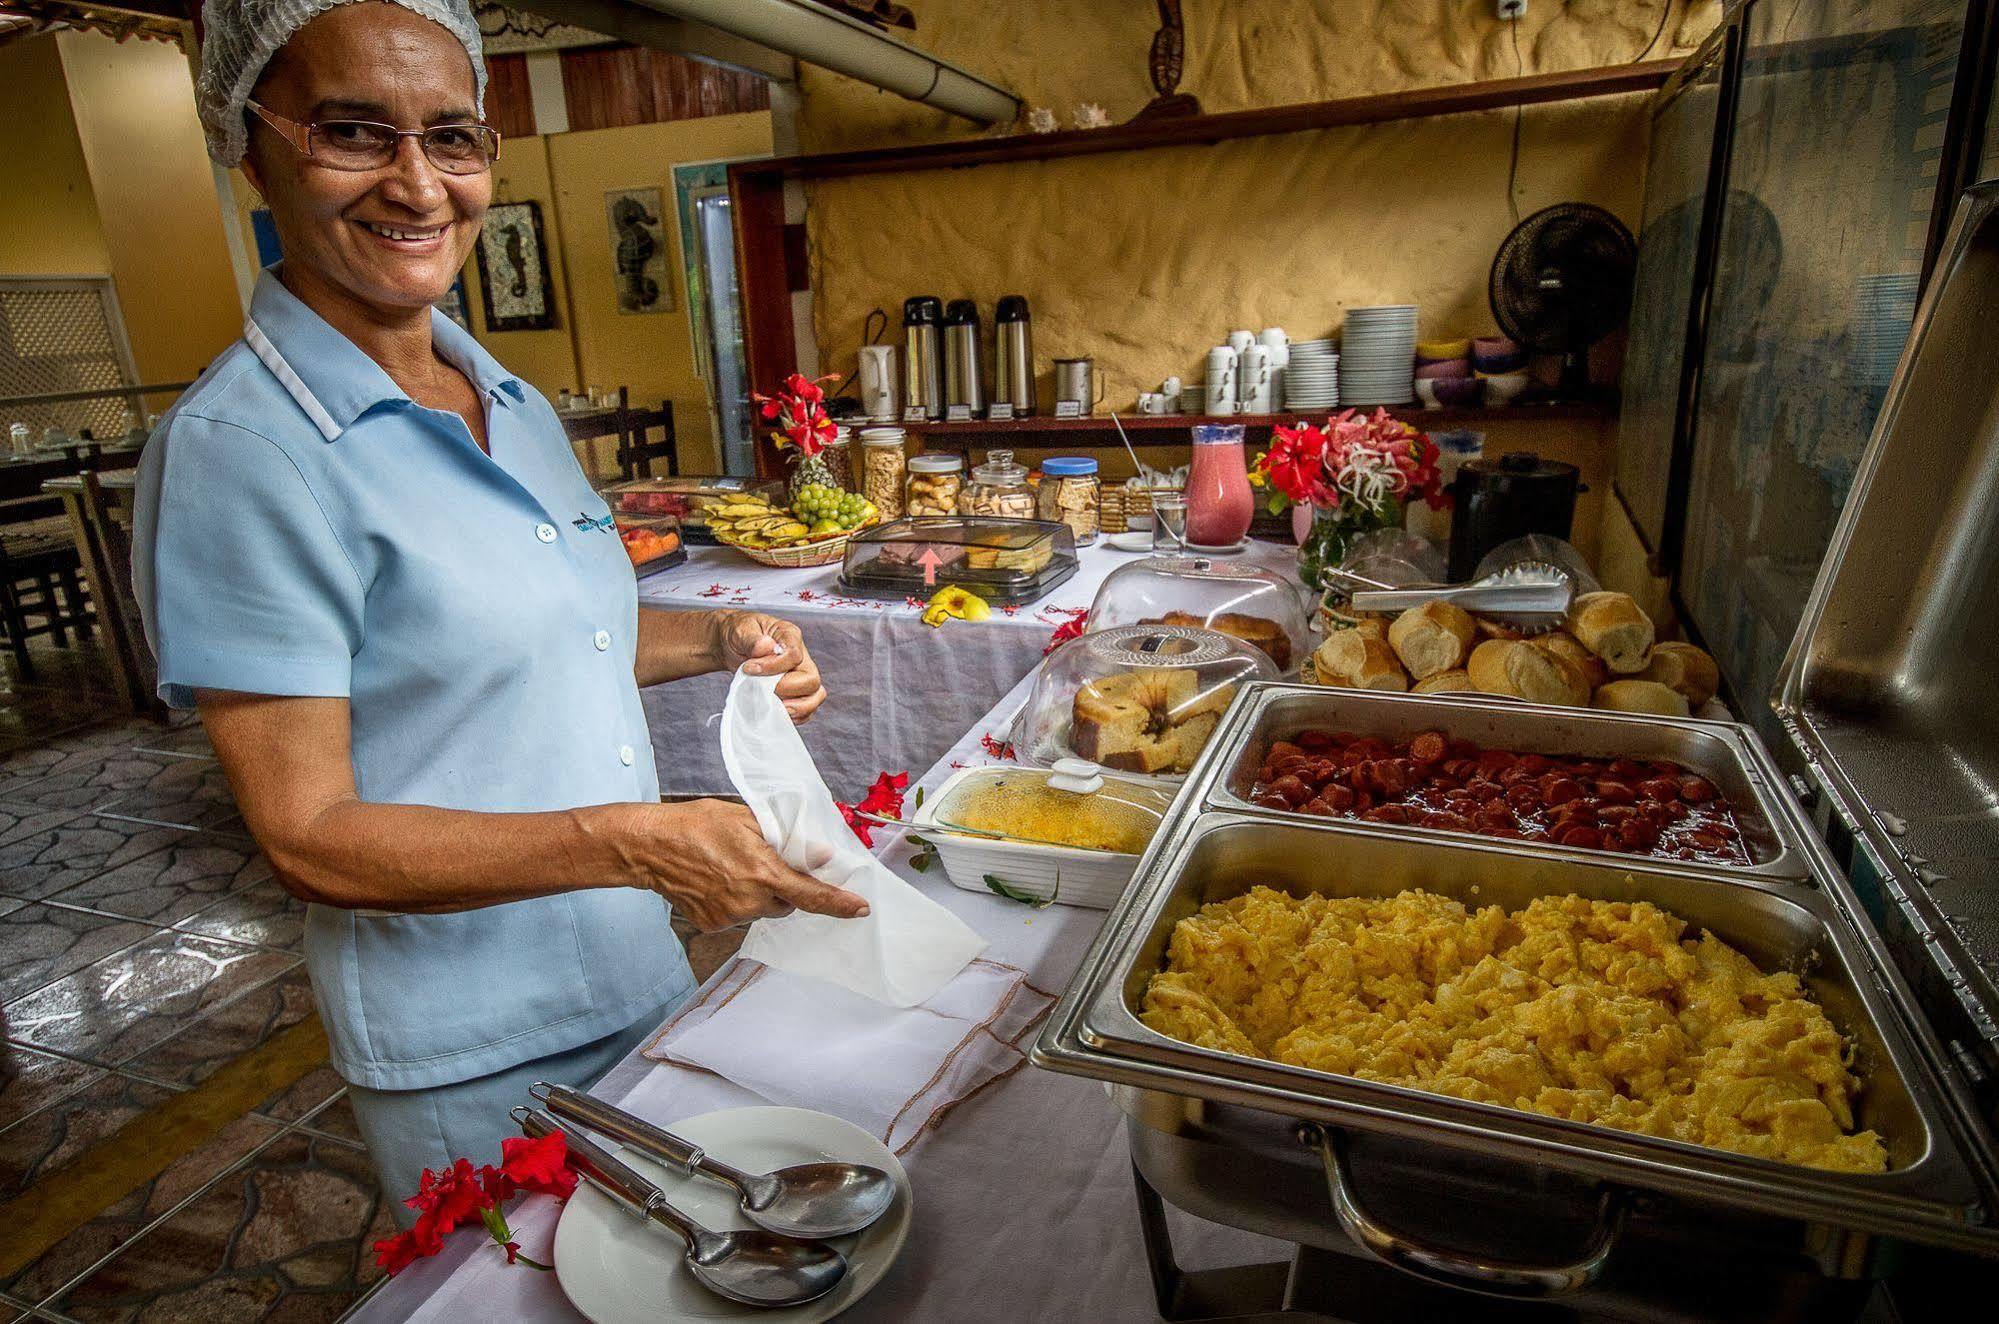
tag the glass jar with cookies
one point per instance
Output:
(1069, 494)
(934, 483)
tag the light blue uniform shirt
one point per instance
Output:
(305, 528)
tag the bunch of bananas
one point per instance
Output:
(748, 521)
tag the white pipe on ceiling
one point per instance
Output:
(821, 36)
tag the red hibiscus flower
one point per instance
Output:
(464, 1194)
(1296, 464)
(883, 798)
(798, 409)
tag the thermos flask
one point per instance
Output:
(964, 358)
(923, 355)
(1013, 356)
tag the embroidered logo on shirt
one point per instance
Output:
(588, 525)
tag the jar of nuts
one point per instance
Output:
(998, 488)
(1069, 494)
(934, 484)
(883, 468)
(837, 455)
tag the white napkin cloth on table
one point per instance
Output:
(894, 1072)
(908, 947)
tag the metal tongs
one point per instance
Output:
(1532, 597)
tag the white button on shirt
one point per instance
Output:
(545, 532)
(602, 640)
(625, 755)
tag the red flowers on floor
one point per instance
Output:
(449, 1200)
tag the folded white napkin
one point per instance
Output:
(908, 947)
(892, 1071)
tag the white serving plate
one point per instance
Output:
(617, 1269)
(1091, 878)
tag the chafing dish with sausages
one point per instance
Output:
(1407, 1203)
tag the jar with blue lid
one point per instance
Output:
(1069, 495)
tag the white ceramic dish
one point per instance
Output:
(1230, 550)
(1090, 878)
(617, 1269)
(1135, 540)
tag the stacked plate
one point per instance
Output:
(1312, 377)
(1378, 355)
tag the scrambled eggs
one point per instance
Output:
(1596, 1011)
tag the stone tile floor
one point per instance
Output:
(144, 947)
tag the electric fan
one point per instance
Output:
(1562, 281)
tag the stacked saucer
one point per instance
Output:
(1312, 376)
(1378, 355)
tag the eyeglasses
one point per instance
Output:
(455, 149)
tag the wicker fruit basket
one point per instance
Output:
(802, 556)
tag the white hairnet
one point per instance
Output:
(239, 37)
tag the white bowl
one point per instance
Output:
(1502, 388)
(1091, 878)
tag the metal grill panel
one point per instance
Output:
(61, 335)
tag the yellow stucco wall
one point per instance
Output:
(133, 109)
(1142, 260)
(48, 217)
(545, 358)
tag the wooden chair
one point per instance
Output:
(101, 522)
(646, 435)
(40, 589)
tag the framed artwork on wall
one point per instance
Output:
(513, 269)
(638, 250)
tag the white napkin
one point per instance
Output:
(908, 947)
(894, 1072)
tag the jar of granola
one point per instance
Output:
(1069, 494)
(998, 488)
(934, 484)
(883, 469)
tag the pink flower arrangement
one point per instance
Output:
(1356, 459)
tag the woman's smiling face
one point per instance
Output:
(393, 238)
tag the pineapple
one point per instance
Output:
(807, 470)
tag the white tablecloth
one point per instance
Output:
(900, 692)
(1024, 1199)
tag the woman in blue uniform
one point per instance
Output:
(366, 553)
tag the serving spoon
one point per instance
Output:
(807, 1200)
(754, 1267)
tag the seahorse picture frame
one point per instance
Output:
(639, 250)
(514, 281)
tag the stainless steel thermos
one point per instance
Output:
(923, 355)
(1013, 355)
(964, 358)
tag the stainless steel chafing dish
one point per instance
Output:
(1888, 905)
(1720, 751)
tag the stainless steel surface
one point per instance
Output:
(809, 1201)
(1929, 1193)
(756, 1268)
(1013, 356)
(1075, 379)
(1417, 1254)
(1726, 755)
(1888, 689)
(964, 358)
(923, 356)
(1532, 597)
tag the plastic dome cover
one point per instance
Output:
(1136, 698)
(1250, 603)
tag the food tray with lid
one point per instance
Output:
(1254, 604)
(1117, 815)
(1005, 561)
(1929, 1191)
(1724, 754)
(652, 542)
(1143, 699)
(687, 498)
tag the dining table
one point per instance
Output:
(899, 692)
(1024, 1208)
(23, 476)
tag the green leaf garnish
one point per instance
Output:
(1001, 887)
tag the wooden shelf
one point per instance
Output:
(1419, 103)
(1172, 429)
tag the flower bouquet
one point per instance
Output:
(802, 424)
(1355, 474)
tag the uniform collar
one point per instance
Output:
(328, 375)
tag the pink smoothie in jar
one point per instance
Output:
(1220, 504)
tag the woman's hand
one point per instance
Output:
(709, 858)
(768, 646)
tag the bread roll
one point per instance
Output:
(1641, 696)
(1373, 626)
(1490, 629)
(1457, 681)
(1566, 645)
(1353, 660)
(1683, 667)
(1433, 637)
(1508, 666)
(1611, 626)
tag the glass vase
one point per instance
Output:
(1333, 532)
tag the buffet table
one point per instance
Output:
(900, 691)
(1024, 1198)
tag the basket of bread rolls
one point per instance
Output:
(1604, 656)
